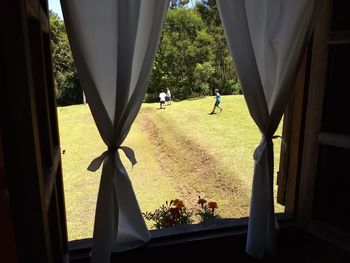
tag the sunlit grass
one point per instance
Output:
(182, 152)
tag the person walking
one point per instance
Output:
(217, 101)
(162, 96)
(168, 97)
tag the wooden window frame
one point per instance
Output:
(302, 124)
(30, 134)
(304, 134)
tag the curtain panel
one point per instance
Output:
(113, 44)
(267, 39)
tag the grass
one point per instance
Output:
(182, 152)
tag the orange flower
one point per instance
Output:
(201, 201)
(178, 203)
(212, 205)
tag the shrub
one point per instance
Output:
(207, 210)
(237, 89)
(170, 214)
(175, 213)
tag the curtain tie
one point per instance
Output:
(96, 163)
(264, 141)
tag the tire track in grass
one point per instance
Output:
(192, 170)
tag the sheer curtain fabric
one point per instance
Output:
(266, 39)
(113, 44)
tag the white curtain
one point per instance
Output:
(266, 39)
(113, 44)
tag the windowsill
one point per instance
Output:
(328, 233)
(216, 224)
(181, 234)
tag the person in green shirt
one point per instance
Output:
(217, 101)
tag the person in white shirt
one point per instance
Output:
(168, 97)
(162, 97)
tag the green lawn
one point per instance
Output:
(182, 152)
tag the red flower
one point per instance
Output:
(201, 201)
(178, 203)
(212, 205)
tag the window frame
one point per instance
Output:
(298, 184)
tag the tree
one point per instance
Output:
(209, 12)
(193, 58)
(178, 3)
(184, 43)
(224, 78)
(203, 73)
(68, 90)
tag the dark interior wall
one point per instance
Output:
(7, 237)
(7, 240)
(340, 18)
(336, 104)
(332, 202)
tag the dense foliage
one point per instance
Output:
(68, 90)
(193, 58)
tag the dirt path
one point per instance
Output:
(191, 169)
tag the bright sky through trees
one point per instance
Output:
(55, 5)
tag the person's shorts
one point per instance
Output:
(217, 103)
(167, 98)
(162, 101)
